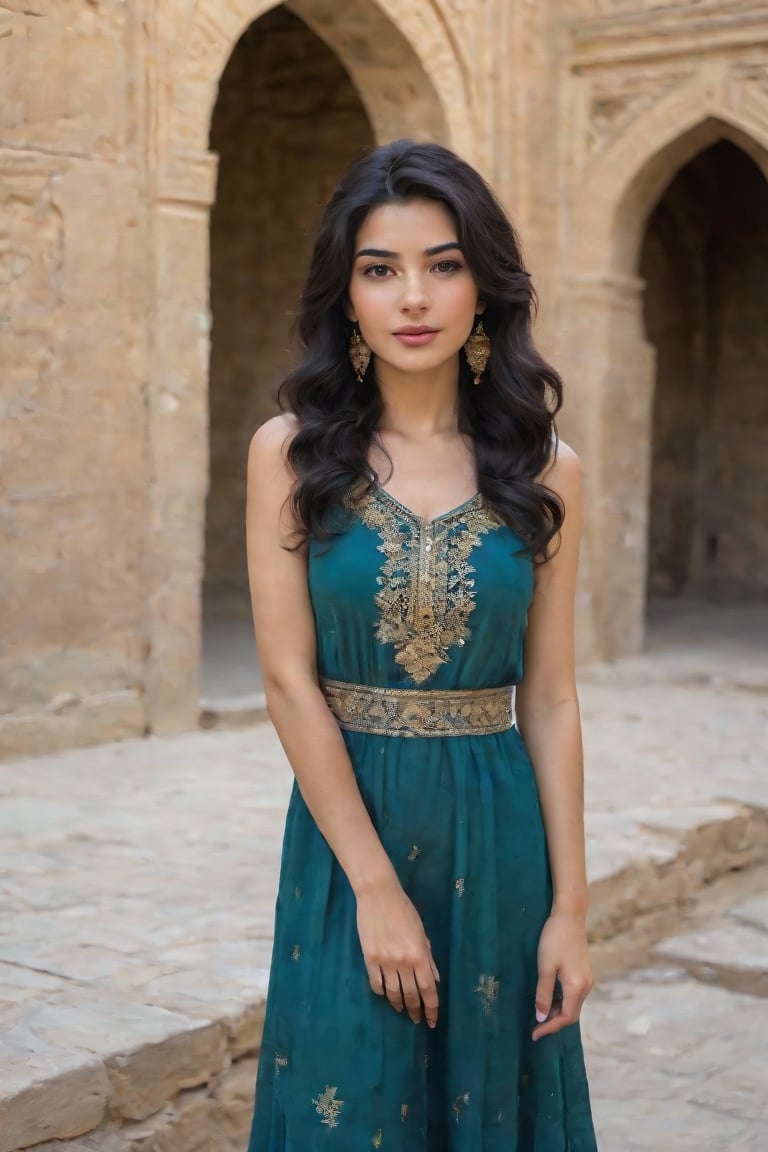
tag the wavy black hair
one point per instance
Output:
(509, 417)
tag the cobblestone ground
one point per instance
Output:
(137, 885)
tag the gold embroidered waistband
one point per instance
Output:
(416, 712)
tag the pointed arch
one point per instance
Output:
(624, 182)
(611, 364)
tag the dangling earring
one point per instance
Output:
(359, 354)
(477, 350)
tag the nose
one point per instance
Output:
(414, 297)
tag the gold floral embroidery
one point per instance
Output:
(414, 853)
(460, 1104)
(427, 586)
(327, 1106)
(377, 1139)
(296, 954)
(403, 1112)
(459, 886)
(280, 1062)
(488, 990)
(418, 711)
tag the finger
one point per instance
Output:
(432, 964)
(553, 1023)
(411, 997)
(375, 978)
(393, 991)
(563, 1014)
(425, 981)
(545, 990)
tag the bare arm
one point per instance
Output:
(310, 735)
(549, 721)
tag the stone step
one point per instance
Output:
(222, 713)
(732, 952)
(645, 860)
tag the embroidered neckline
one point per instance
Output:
(426, 581)
(388, 498)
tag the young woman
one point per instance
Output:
(413, 532)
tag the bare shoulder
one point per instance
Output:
(268, 452)
(563, 473)
(273, 437)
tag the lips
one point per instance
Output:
(415, 336)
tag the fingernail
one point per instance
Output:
(540, 1016)
(432, 1023)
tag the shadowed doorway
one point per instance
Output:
(286, 123)
(705, 263)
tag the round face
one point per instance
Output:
(411, 291)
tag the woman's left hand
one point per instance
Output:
(563, 954)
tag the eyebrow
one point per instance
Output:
(383, 254)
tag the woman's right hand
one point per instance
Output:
(397, 953)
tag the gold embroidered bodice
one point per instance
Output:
(427, 590)
(406, 603)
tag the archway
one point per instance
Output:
(286, 122)
(704, 259)
(612, 362)
(705, 263)
(411, 80)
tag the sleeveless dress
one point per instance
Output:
(400, 602)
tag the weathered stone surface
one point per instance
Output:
(674, 1065)
(183, 1126)
(142, 1081)
(753, 911)
(232, 1109)
(729, 953)
(46, 1092)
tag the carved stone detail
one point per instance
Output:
(31, 246)
(619, 97)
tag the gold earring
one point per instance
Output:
(359, 354)
(477, 350)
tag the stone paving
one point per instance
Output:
(677, 1061)
(137, 884)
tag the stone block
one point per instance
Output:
(47, 1093)
(67, 87)
(89, 721)
(142, 1081)
(182, 1126)
(233, 1099)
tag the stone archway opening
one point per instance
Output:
(286, 122)
(704, 260)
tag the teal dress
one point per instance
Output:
(439, 606)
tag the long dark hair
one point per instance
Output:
(509, 416)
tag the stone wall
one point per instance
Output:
(73, 333)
